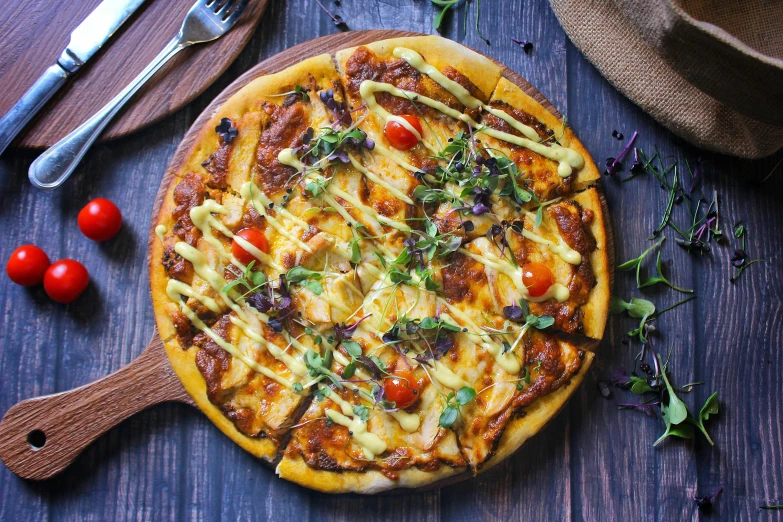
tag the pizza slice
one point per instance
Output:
(225, 240)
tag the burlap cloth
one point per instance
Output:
(711, 71)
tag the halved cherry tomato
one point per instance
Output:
(27, 265)
(402, 388)
(100, 220)
(65, 280)
(253, 236)
(537, 277)
(398, 136)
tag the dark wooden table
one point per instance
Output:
(592, 462)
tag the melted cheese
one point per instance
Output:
(260, 202)
(230, 348)
(557, 290)
(567, 159)
(370, 443)
(397, 193)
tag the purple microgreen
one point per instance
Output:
(706, 503)
(526, 46)
(337, 20)
(615, 163)
(226, 130)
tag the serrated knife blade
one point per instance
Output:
(88, 37)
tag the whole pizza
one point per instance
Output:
(382, 269)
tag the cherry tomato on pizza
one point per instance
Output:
(401, 388)
(253, 236)
(65, 280)
(399, 136)
(537, 278)
(100, 220)
(27, 265)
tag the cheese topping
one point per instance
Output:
(343, 299)
(568, 159)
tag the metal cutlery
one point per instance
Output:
(207, 20)
(88, 37)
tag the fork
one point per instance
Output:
(207, 20)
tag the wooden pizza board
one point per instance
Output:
(32, 38)
(40, 437)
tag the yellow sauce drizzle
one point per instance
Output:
(260, 202)
(160, 231)
(567, 159)
(230, 348)
(558, 291)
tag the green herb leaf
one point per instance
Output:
(710, 407)
(298, 274)
(356, 253)
(448, 417)
(640, 386)
(353, 348)
(298, 388)
(465, 395)
(314, 286)
(349, 370)
(362, 411)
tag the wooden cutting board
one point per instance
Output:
(34, 33)
(39, 437)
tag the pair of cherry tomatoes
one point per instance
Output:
(63, 280)
(66, 279)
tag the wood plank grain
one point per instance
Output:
(27, 54)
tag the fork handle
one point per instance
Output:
(54, 166)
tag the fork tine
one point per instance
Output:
(222, 7)
(236, 11)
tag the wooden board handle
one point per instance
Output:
(39, 437)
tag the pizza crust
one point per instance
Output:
(486, 75)
(296, 470)
(596, 310)
(440, 53)
(513, 95)
(537, 415)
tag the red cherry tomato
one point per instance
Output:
(398, 136)
(537, 277)
(27, 265)
(100, 220)
(253, 236)
(65, 280)
(402, 388)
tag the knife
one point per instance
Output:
(86, 39)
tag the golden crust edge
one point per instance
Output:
(596, 310)
(294, 469)
(537, 416)
(249, 99)
(511, 93)
(438, 52)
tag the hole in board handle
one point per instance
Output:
(36, 439)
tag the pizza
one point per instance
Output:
(382, 269)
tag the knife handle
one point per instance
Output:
(30, 103)
(56, 164)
